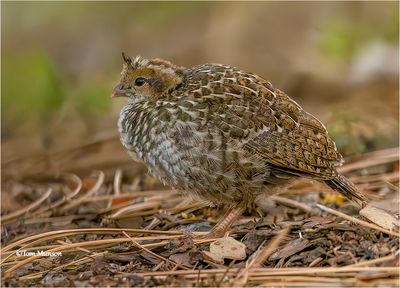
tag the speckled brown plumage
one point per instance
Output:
(222, 133)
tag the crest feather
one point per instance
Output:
(137, 62)
(140, 62)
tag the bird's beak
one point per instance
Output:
(118, 91)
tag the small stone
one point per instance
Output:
(55, 279)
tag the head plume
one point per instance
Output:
(156, 76)
(136, 63)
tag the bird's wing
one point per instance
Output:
(265, 122)
(296, 141)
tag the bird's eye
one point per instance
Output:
(140, 81)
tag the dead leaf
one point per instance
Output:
(212, 257)
(228, 248)
(130, 222)
(379, 217)
(88, 183)
(120, 201)
(181, 258)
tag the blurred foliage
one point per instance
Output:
(391, 32)
(157, 15)
(36, 91)
(33, 89)
(93, 98)
(342, 38)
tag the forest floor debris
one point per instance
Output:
(111, 228)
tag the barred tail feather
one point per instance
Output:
(346, 187)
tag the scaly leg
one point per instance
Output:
(225, 222)
(218, 231)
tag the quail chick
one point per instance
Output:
(221, 133)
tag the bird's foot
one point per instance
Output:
(187, 241)
(213, 234)
(181, 244)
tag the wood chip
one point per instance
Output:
(290, 249)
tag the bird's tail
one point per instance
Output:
(347, 188)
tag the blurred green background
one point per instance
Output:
(60, 61)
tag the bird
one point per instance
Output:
(222, 134)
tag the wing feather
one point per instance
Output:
(265, 122)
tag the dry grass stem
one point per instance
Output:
(89, 193)
(291, 203)
(78, 186)
(27, 209)
(355, 220)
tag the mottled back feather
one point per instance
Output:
(263, 120)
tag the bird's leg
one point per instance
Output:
(185, 242)
(225, 222)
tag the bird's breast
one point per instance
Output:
(204, 160)
(148, 139)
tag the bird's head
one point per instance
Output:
(147, 79)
